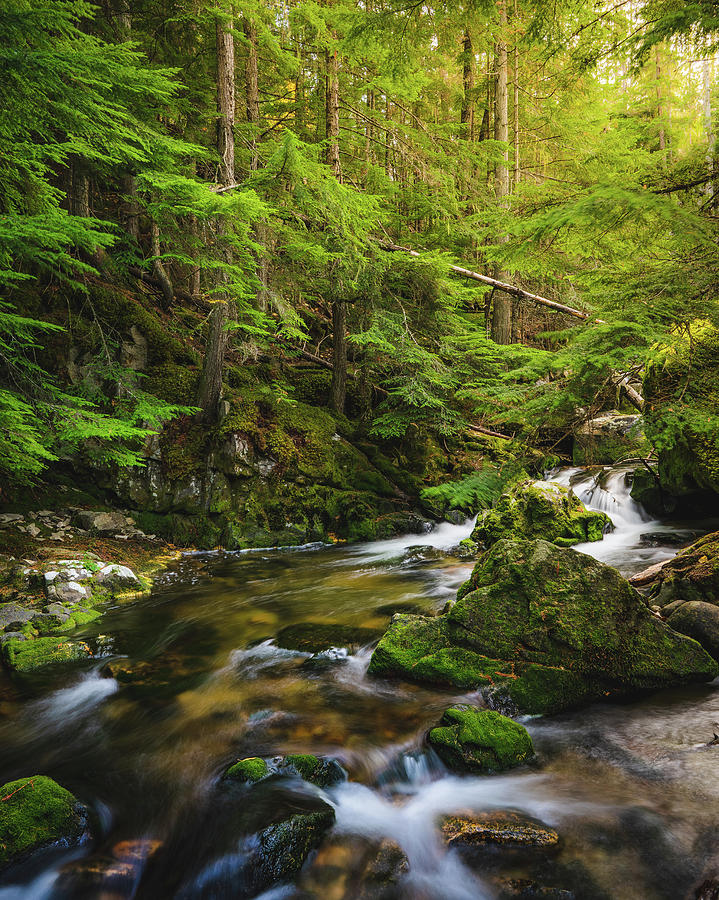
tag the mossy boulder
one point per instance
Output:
(36, 812)
(540, 509)
(25, 655)
(699, 621)
(540, 628)
(469, 739)
(692, 575)
(251, 769)
(282, 848)
(534, 602)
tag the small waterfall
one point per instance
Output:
(609, 491)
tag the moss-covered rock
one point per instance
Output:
(251, 769)
(284, 847)
(699, 621)
(540, 509)
(37, 812)
(539, 629)
(535, 602)
(692, 575)
(25, 655)
(480, 740)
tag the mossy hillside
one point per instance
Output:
(535, 602)
(534, 509)
(36, 812)
(480, 740)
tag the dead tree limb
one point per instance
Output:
(507, 288)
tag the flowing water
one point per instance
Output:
(631, 788)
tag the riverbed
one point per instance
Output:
(631, 788)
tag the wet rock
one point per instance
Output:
(383, 870)
(24, 655)
(106, 875)
(707, 890)
(700, 621)
(666, 538)
(503, 829)
(539, 509)
(36, 812)
(117, 578)
(320, 771)
(13, 615)
(470, 739)
(693, 574)
(100, 521)
(543, 628)
(311, 637)
(280, 850)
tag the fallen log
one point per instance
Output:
(479, 429)
(633, 395)
(647, 576)
(507, 288)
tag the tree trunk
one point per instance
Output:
(252, 90)
(226, 101)
(515, 106)
(502, 312)
(332, 114)
(468, 100)
(660, 108)
(158, 269)
(708, 126)
(210, 388)
(339, 356)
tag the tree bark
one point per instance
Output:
(332, 114)
(468, 99)
(252, 90)
(210, 387)
(708, 126)
(158, 269)
(338, 391)
(502, 312)
(515, 105)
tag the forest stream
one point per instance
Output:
(630, 787)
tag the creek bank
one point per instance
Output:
(52, 591)
(36, 813)
(540, 628)
(540, 509)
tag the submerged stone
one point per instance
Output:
(314, 637)
(502, 829)
(36, 812)
(480, 740)
(540, 509)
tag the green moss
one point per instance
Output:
(480, 740)
(24, 656)
(173, 383)
(542, 690)
(251, 769)
(34, 813)
(539, 509)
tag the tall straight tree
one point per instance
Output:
(210, 387)
(502, 310)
